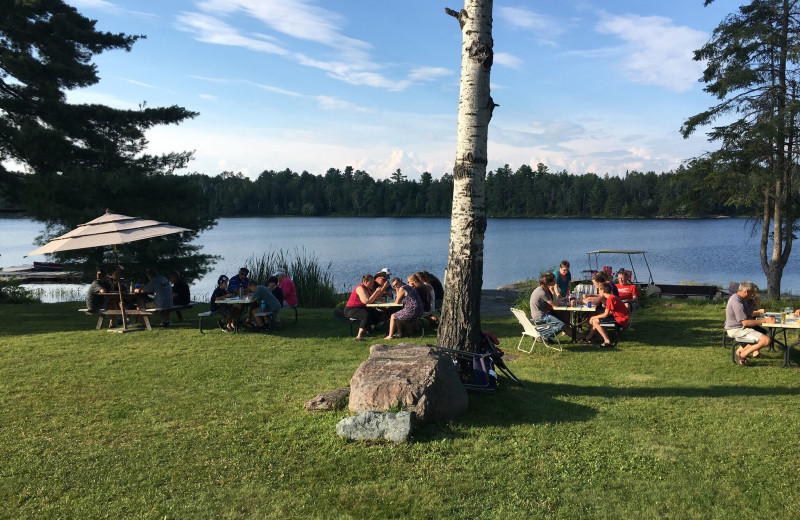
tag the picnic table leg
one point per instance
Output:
(146, 320)
(99, 322)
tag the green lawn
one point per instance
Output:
(174, 424)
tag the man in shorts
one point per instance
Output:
(741, 321)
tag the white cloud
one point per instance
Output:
(331, 103)
(528, 19)
(301, 20)
(657, 52)
(207, 97)
(507, 60)
(211, 30)
(139, 83)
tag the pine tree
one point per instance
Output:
(80, 159)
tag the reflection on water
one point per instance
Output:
(714, 251)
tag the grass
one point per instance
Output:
(174, 424)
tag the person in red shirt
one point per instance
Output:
(615, 312)
(627, 290)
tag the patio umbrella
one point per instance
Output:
(109, 229)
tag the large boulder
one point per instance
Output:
(410, 377)
(395, 427)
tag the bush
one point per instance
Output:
(11, 291)
(314, 284)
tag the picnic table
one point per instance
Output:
(237, 301)
(790, 322)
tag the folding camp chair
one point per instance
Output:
(481, 362)
(536, 331)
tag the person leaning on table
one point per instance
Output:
(160, 287)
(357, 309)
(741, 321)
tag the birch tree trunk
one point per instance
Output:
(460, 326)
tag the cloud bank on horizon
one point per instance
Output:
(583, 86)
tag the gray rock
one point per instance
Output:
(326, 401)
(395, 427)
(409, 377)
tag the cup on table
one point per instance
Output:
(782, 318)
(571, 303)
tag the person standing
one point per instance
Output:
(563, 280)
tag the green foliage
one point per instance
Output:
(313, 283)
(174, 424)
(11, 291)
(85, 158)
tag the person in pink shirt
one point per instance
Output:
(287, 286)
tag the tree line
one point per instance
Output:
(524, 192)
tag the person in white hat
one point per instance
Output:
(287, 286)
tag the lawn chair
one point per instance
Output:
(537, 331)
(483, 362)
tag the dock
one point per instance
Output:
(52, 273)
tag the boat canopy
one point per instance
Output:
(629, 253)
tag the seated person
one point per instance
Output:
(287, 287)
(615, 312)
(237, 288)
(115, 282)
(438, 288)
(563, 280)
(219, 293)
(741, 321)
(422, 289)
(259, 294)
(597, 300)
(363, 294)
(180, 292)
(626, 289)
(411, 311)
(160, 287)
(542, 303)
(277, 292)
(95, 300)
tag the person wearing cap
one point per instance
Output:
(219, 293)
(287, 286)
(94, 296)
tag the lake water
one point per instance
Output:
(714, 251)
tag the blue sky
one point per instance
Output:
(586, 86)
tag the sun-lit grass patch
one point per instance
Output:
(174, 424)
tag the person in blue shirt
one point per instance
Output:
(240, 280)
(161, 289)
(259, 293)
(563, 280)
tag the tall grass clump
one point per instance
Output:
(314, 283)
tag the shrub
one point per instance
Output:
(11, 291)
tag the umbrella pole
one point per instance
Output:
(119, 290)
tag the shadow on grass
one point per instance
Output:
(543, 403)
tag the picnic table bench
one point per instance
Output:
(145, 314)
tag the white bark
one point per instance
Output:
(460, 323)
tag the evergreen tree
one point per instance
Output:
(84, 158)
(752, 68)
